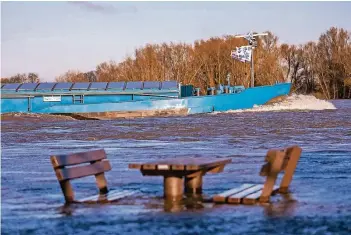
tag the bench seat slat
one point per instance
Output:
(77, 158)
(236, 198)
(222, 196)
(109, 197)
(81, 171)
(277, 160)
(96, 197)
(253, 198)
(120, 196)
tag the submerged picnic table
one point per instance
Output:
(175, 170)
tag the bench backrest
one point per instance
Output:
(278, 161)
(288, 158)
(73, 166)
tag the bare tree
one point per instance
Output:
(33, 77)
(321, 66)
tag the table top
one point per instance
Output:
(181, 164)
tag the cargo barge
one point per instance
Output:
(131, 99)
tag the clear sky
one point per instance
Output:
(52, 37)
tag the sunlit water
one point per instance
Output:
(319, 203)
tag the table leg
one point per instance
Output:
(193, 185)
(173, 187)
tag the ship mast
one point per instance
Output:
(251, 38)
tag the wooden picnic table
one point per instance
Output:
(180, 173)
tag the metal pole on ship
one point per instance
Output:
(252, 68)
(250, 37)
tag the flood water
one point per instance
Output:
(319, 202)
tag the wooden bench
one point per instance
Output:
(277, 161)
(78, 165)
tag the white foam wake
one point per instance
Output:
(293, 102)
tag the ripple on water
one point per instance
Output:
(319, 203)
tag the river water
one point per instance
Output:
(319, 202)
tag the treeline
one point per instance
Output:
(206, 63)
(21, 78)
(322, 68)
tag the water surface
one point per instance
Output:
(319, 203)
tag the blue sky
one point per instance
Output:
(52, 37)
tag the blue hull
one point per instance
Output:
(102, 103)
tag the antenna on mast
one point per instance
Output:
(251, 38)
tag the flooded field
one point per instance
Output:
(319, 203)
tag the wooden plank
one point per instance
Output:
(148, 167)
(285, 161)
(215, 163)
(163, 167)
(192, 167)
(101, 182)
(193, 174)
(96, 196)
(176, 167)
(113, 197)
(253, 198)
(67, 190)
(236, 198)
(134, 166)
(81, 171)
(276, 164)
(110, 196)
(188, 163)
(140, 166)
(217, 169)
(102, 196)
(271, 154)
(191, 162)
(222, 196)
(266, 169)
(293, 154)
(77, 158)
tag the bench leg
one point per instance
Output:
(67, 191)
(101, 183)
(277, 162)
(173, 187)
(294, 155)
(193, 185)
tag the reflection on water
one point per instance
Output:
(189, 203)
(284, 207)
(319, 202)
